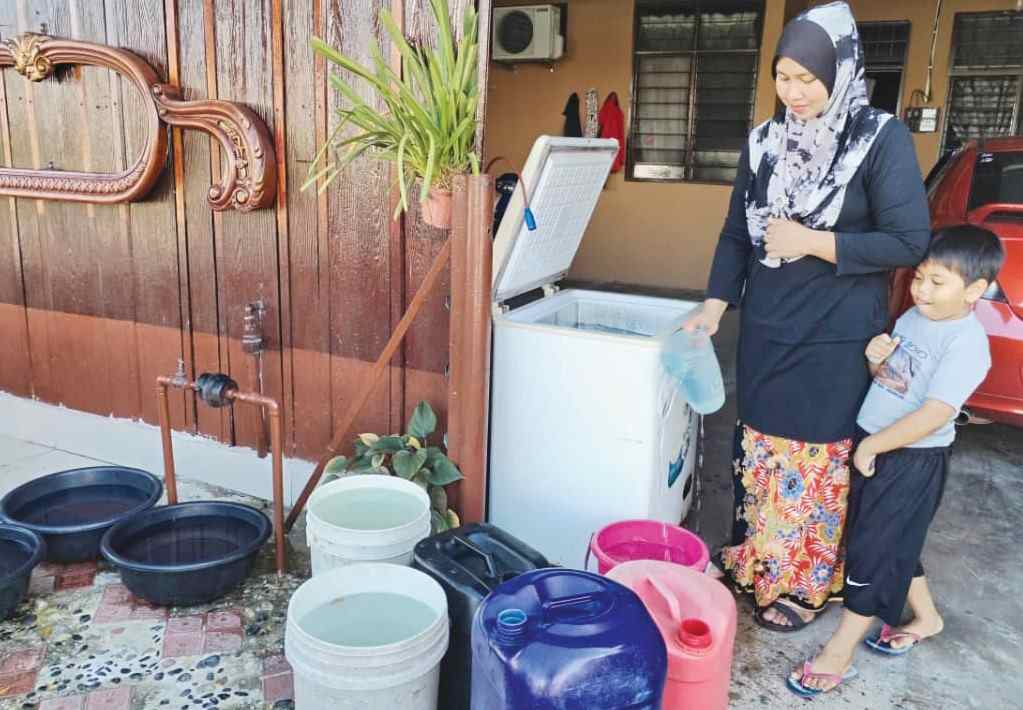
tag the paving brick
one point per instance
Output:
(149, 612)
(116, 594)
(39, 584)
(184, 624)
(80, 568)
(108, 614)
(112, 699)
(68, 702)
(183, 644)
(22, 660)
(225, 620)
(222, 642)
(272, 665)
(278, 687)
(75, 580)
(12, 684)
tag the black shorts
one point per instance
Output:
(889, 514)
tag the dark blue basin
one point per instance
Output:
(72, 509)
(186, 554)
(20, 551)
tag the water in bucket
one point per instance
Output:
(368, 619)
(649, 550)
(369, 509)
(356, 644)
(647, 540)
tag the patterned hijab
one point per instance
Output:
(802, 167)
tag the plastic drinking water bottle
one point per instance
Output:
(688, 357)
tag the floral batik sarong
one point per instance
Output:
(790, 512)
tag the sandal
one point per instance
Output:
(799, 688)
(796, 622)
(882, 643)
(716, 566)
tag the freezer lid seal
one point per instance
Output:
(563, 178)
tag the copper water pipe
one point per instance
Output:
(253, 343)
(179, 381)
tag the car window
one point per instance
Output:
(997, 178)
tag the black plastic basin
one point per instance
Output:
(20, 551)
(73, 509)
(186, 554)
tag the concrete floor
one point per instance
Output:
(973, 563)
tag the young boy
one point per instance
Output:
(923, 374)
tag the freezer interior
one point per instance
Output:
(613, 314)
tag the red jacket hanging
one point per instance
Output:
(612, 125)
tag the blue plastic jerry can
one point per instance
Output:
(560, 639)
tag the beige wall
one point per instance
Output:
(663, 234)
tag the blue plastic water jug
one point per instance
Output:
(690, 361)
(560, 639)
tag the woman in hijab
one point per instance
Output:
(827, 200)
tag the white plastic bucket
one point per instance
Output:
(402, 675)
(336, 541)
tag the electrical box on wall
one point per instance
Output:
(922, 119)
(528, 33)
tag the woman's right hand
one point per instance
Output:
(707, 317)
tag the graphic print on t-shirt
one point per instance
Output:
(897, 372)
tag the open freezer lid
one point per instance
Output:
(563, 178)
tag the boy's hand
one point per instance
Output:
(881, 347)
(865, 458)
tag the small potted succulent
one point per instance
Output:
(427, 126)
(410, 456)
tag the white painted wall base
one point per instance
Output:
(131, 443)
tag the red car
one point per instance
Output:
(982, 184)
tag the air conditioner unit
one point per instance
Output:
(527, 33)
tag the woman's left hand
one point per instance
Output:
(786, 239)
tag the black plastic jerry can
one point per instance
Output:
(469, 562)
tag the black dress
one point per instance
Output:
(804, 326)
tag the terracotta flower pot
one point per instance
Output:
(437, 209)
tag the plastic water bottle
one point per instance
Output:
(690, 360)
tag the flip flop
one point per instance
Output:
(796, 622)
(882, 643)
(798, 687)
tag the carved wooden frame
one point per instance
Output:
(249, 182)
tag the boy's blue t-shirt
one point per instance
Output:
(942, 360)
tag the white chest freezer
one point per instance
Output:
(586, 429)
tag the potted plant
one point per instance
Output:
(410, 456)
(428, 124)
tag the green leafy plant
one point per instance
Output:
(428, 125)
(410, 456)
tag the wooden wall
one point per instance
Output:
(96, 301)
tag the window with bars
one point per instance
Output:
(884, 53)
(985, 77)
(695, 67)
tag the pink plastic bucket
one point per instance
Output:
(647, 540)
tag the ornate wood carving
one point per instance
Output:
(249, 182)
